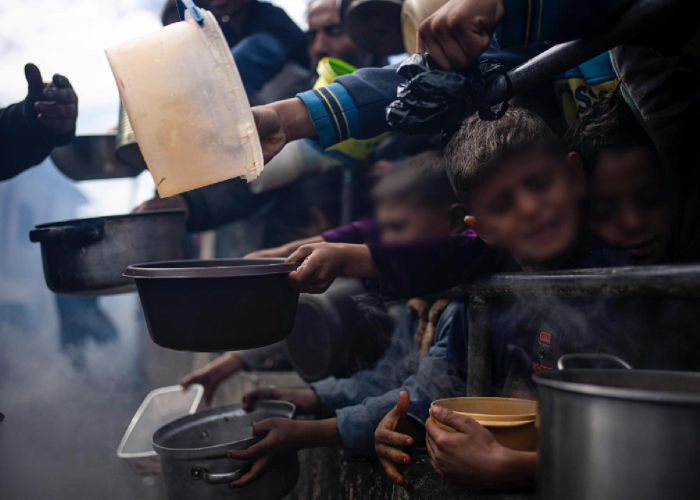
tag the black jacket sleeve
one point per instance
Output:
(24, 142)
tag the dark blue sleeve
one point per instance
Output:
(354, 105)
(456, 356)
(259, 58)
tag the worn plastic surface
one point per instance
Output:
(160, 407)
(187, 106)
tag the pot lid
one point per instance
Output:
(211, 268)
(640, 385)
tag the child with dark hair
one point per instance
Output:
(628, 206)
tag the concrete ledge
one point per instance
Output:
(326, 474)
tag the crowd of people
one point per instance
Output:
(594, 169)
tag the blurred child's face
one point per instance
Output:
(530, 207)
(401, 222)
(628, 209)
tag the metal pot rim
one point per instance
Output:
(216, 268)
(169, 211)
(550, 380)
(283, 409)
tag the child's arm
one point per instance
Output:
(284, 250)
(322, 263)
(283, 436)
(471, 455)
(213, 373)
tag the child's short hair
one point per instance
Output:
(479, 147)
(421, 180)
(610, 125)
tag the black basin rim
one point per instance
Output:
(143, 271)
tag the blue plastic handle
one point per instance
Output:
(194, 10)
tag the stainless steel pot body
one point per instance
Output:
(619, 434)
(89, 256)
(193, 450)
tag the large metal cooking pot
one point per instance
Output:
(193, 450)
(127, 149)
(217, 304)
(619, 434)
(337, 332)
(89, 256)
(89, 157)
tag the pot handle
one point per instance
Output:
(561, 364)
(76, 235)
(227, 477)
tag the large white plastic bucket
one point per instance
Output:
(187, 105)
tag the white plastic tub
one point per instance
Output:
(160, 407)
(187, 106)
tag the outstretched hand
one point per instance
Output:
(55, 104)
(390, 440)
(281, 122)
(281, 437)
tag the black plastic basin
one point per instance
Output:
(218, 304)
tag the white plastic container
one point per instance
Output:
(160, 407)
(187, 105)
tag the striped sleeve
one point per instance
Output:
(333, 112)
(527, 21)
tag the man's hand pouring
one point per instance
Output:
(281, 122)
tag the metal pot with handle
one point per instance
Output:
(618, 434)
(89, 256)
(193, 456)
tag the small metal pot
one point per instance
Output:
(193, 450)
(619, 434)
(89, 256)
(218, 304)
(127, 149)
(334, 334)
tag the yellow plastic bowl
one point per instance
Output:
(511, 421)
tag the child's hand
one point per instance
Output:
(305, 400)
(212, 374)
(322, 263)
(389, 441)
(471, 455)
(281, 436)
